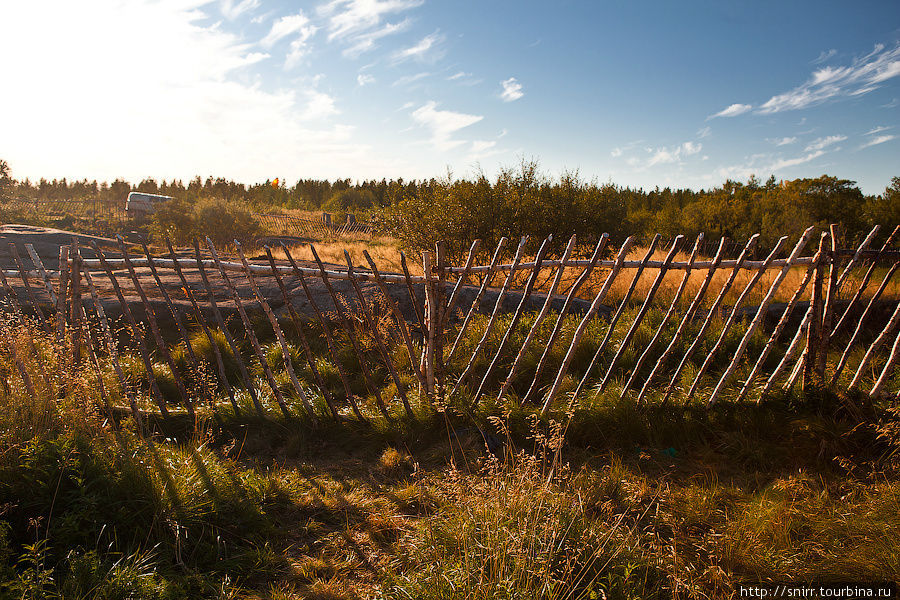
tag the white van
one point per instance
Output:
(140, 204)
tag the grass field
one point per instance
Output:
(608, 500)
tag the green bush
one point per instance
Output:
(223, 221)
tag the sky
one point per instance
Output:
(634, 92)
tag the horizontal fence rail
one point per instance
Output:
(303, 337)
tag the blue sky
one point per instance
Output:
(682, 94)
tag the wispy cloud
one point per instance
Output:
(408, 79)
(666, 155)
(878, 129)
(458, 75)
(784, 141)
(297, 25)
(231, 10)
(878, 140)
(823, 142)
(512, 90)
(824, 55)
(892, 104)
(616, 152)
(704, 132)
(732, 111)
(365, 42)
(365, 79)
(427, 45)
(349, 18)
(443, 124)
(862, 76)
(793, 162)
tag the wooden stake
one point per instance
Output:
(251, 335)
(412, 294)
(42, 271)
(198, 316)
(113, 353)
(461, 282)
(379, 341)
(782, 323)
(307, 351)
(279, 335)
(732, 315)
(154, 328)
(23, 274)
(856, 257)
(75, 292)
(545, 309)
(529, 287)
(814, 332)
(498, 305)
(223, 327)
(440, 249)
(617, 315)
(665, 320)
(329, 340)
(642, 312)
(865, 281)
(61, 296)
(788, 355)
(560, 319)
(476, 303)
(351, 335)
(430, 318)
(878, 388)
(398, 317)
(582, 326)
(751, 244)
(136, 333)
(760, 314)
(873, 349)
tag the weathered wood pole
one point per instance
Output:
(461, 282)
(582, 326)
(665, 321)
(560, 319)
(814, 333)
(618, 314)
(62, 294)
(29, 294)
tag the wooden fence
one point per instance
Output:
(312, 228)
(444, 365)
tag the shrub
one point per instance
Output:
(223, 221)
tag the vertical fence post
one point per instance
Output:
(62, 294)
(440, 316)
(814, 335)
(430, 316)
(828, 306)
(74, 313)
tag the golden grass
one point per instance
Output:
(385, 251)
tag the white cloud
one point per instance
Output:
(793, 162)
(878, 140)
(512, 90)
(408, 79)
(458, 75)
(443, 124)
(892, 104)
(704, 133)
(785, 141)
(824, 55)
(860, 77)
(878, 129)
(732, 111)
(298, 24)
(824, 142)
(365, 42)
(364, 79)
(616, 152)
(232, 10)
(421, 50)
(349, 18)
(173, 109)
(661, 155)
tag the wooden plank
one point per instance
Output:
(279, 335)
(749, 265)
(828, 305)
(351, 335)
(751, 244)
(865, 281)
(514, 323)
(329, 340)
(136, 334)
(873, 349)
(113, 352)
(617, 315)
(665, 321)
(642, 312)
(535, 326)
(223, 327)
(564, 311)
(582, 327)
(182, 331)
(43, 272)
(198, 317)
(476, 303)
(412, 294)
(298, 327)
(498, 305)
(732, 316)
(760, 316)
(154, 328)
(814, 332)
(379, 341)
(251, 335)
(795, 345)
(856, 257)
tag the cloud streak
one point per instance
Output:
(443, 124)
(732, 111)
(512, 90)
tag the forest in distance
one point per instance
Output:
(519, 200)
